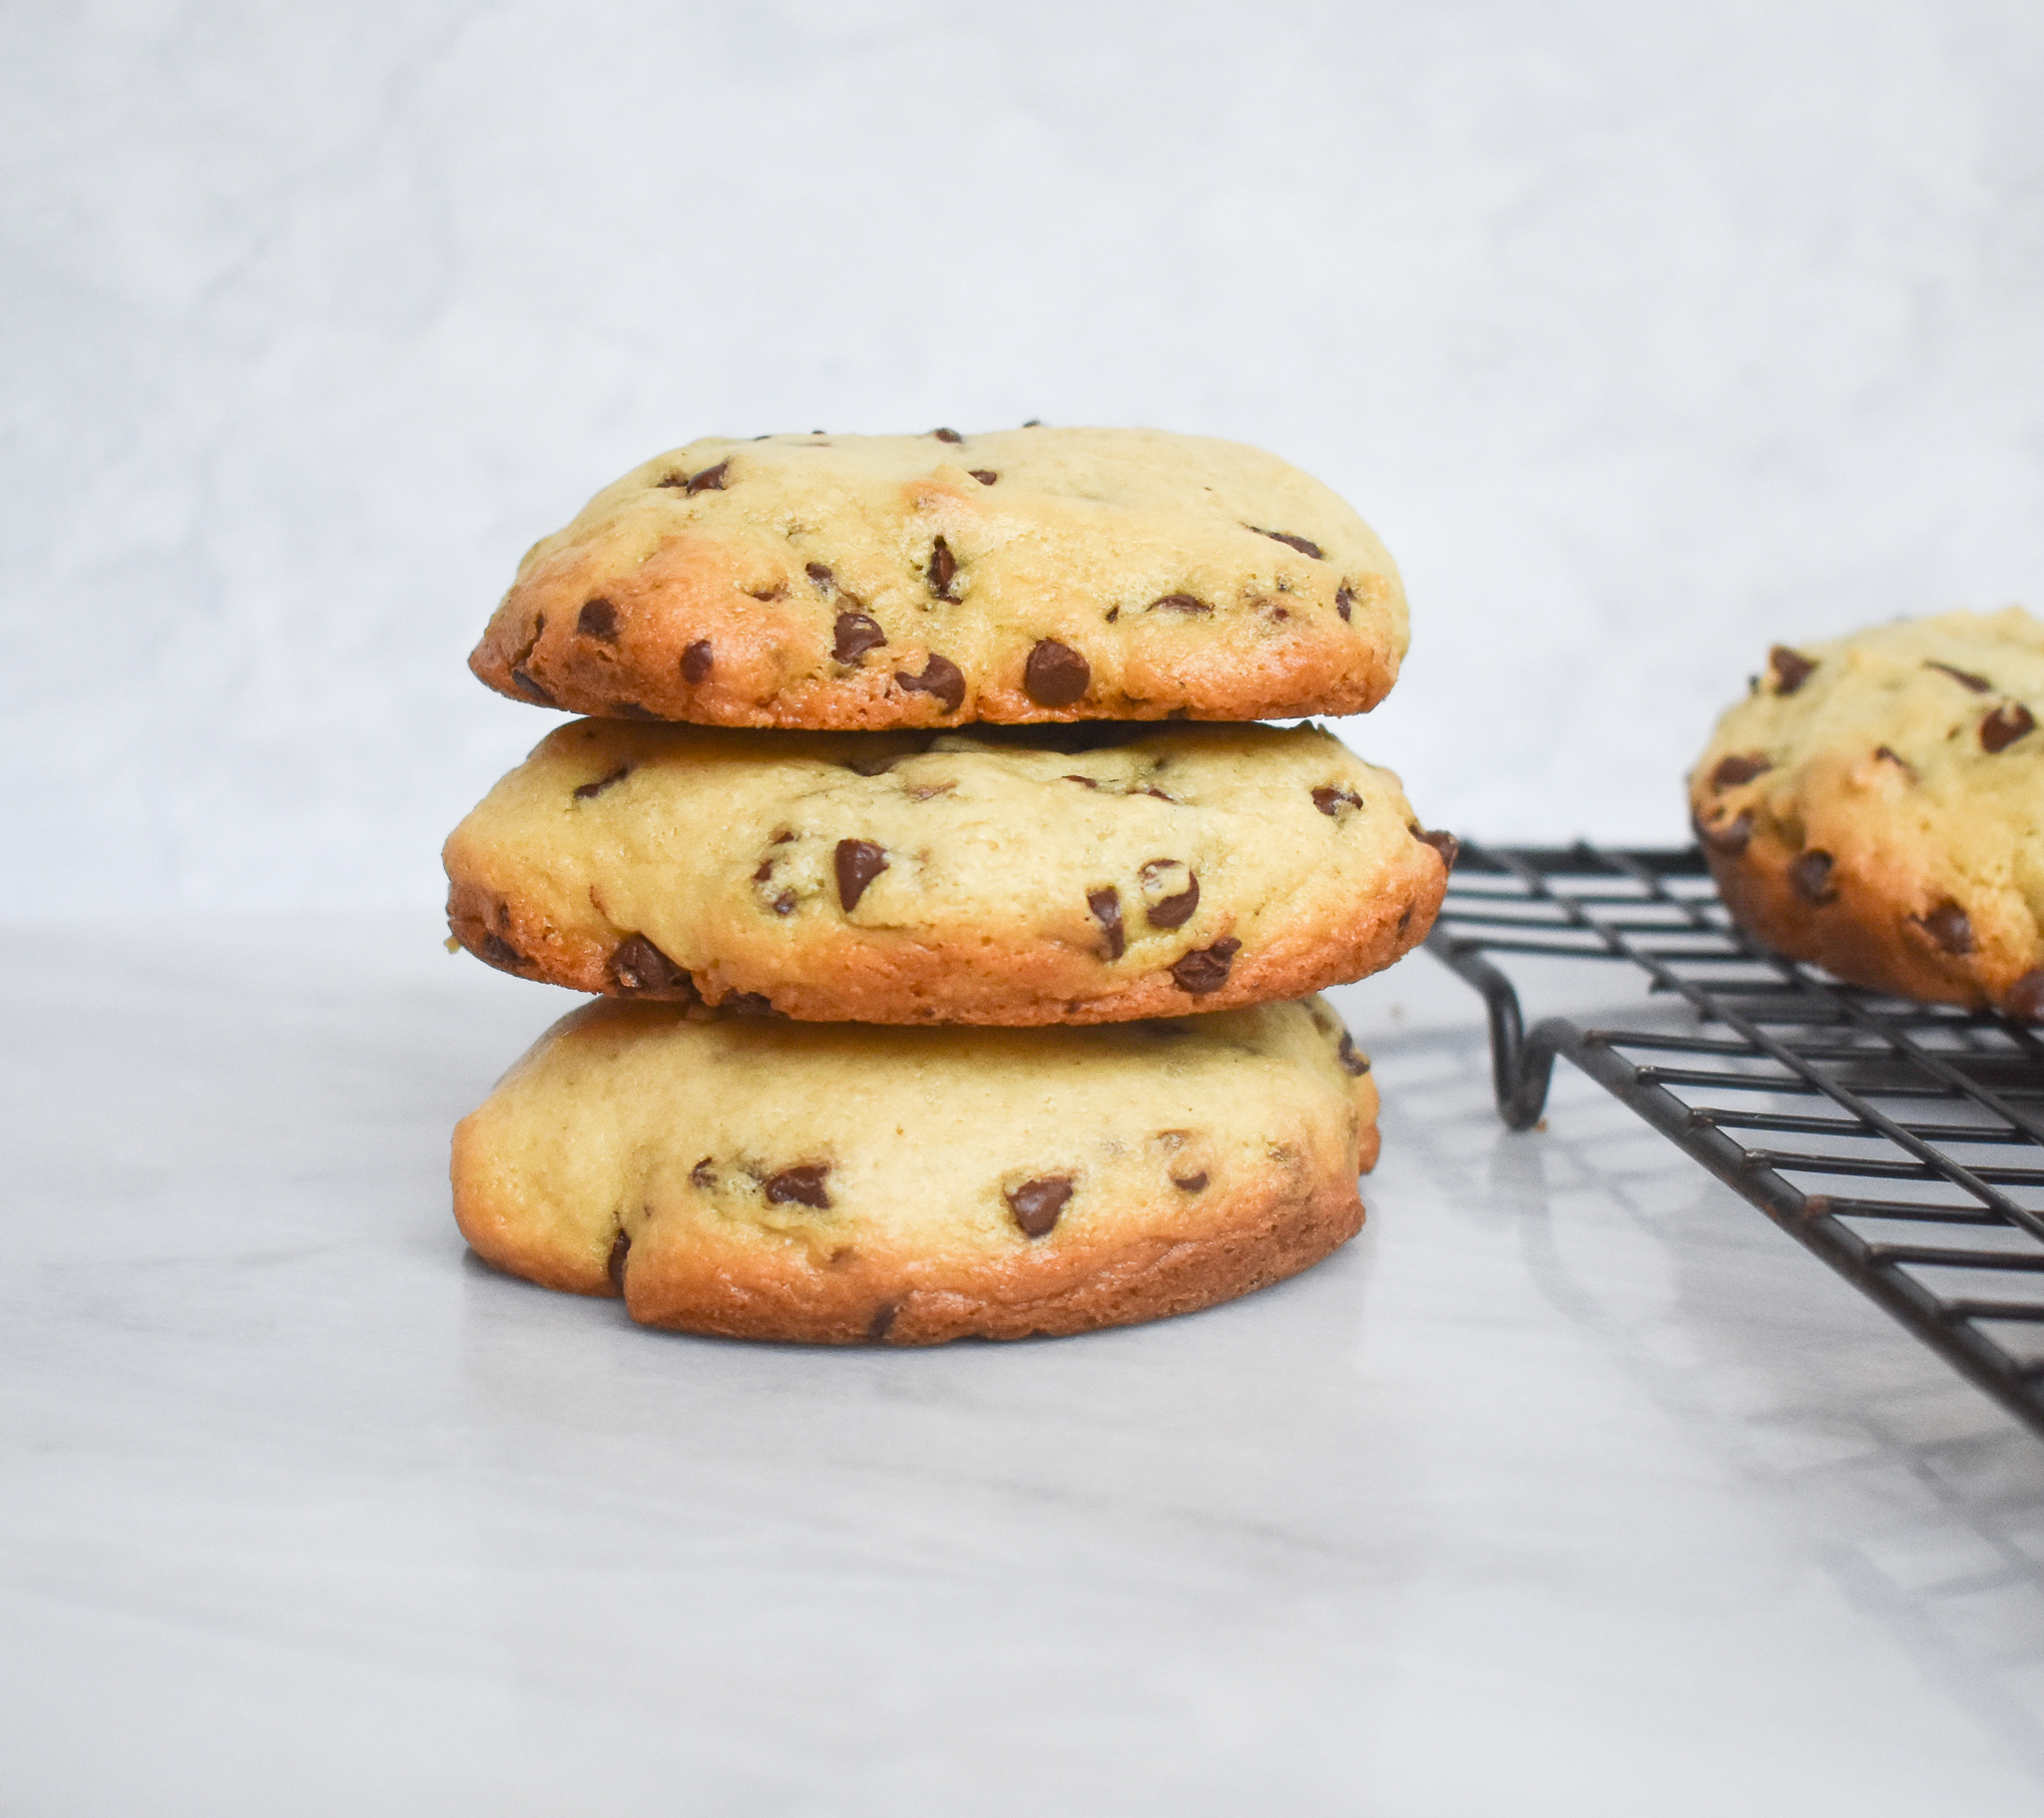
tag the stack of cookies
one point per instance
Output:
(953, 928)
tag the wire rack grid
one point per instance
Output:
(1902, 1142)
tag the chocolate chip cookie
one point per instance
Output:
(834, 1185)
(1877, 805)
(1022, 875)
(868, 582)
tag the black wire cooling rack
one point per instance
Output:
(1902, 1142)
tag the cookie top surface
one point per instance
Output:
(784, 1179)
(868, 582)
(1888, 788)
(996, 875)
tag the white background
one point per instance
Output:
(1644, 335)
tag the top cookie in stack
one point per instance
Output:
(842, 583)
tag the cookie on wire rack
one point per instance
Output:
(1876, 807)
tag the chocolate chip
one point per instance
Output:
(1731, 771)
(821, 574)
(1355, 1062)
(877, 764)
(637, 967)
(858, 862)
(1345, 601)
(2008, 722)
(1792, 669)
(943, 567)
(1107, 911)
(1033, 423)
(1037, 1204)
(801, 1186)
(621, 1246)
(588, 791)
(1964, 677)
(882, 1321)
(940, 676)
(1205, 969)
(529, 687)
(1113, 612)
(855, 635)
(1889, 755)
(1055, 675)
(947, 435)
(1446, 844)
(1949, 926)
(698, 661)
(1300, 544)
(1174, 909)
(1329, 801)
(499, 952)
(630, 710)
(1083, 781)
(598, 619)
(1730, 837)
(1811, 874)
(783, 904)
(2026, 997)
(747, 1004)
(985, 475)
(703, 1174)
(1191, 1183)
(1178, 603)
(711, 478)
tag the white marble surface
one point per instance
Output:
(1647, 336)
(1572, 1487)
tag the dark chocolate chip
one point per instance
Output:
(1404, 918)
(698, 661)
(858, 862)
(765, 872)
(639, 968)
(1356, 1063)
(1345, 601)
(1171, 911)
(2026, 997)
(630, 710)
(1949, 926)
(499, 952)
(1446, 844)
(529, 687)
(1191, 1183)
(882, 1321)
(1205, 969)
(802, 1186)
(1056, 675)
(1964, 677)
(1178, 603)
(1037, 1204)
(821, 574)
(1329, 801)
(621, 1246)
(747, 1004)
(947, 435)
(940, 676)
(711, 478)
(1729, 837)
(1113, 612)
(876, 764)
(855, 635)
(783, 904)
(985, 475)
(598, 619)
(1083, 781)
(1302, 544)
(1731, 771)
(1792, 669)
(941, 571)
(703, 1174)
(1107, 911)
(588, 791)
(2008, 722)
(1811, 874)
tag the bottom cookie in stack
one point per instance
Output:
(842, 1184)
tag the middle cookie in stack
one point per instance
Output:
(1016, 874)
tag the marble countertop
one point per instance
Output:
(1571, 1487)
